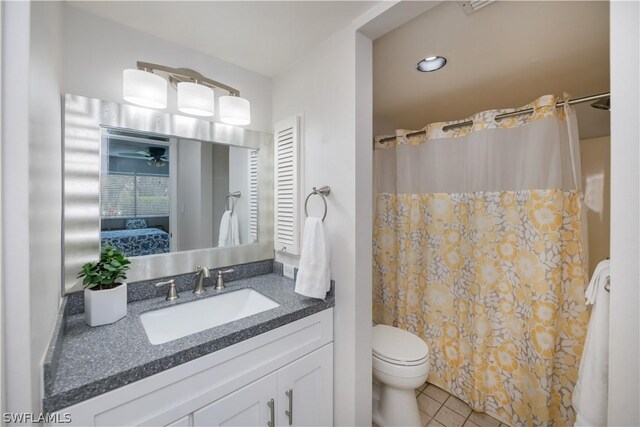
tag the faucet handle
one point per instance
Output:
(172, 294)
(220, 281)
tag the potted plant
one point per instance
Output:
(105, 298)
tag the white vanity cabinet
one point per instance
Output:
(290, 366)
(305, 395)
(252, 405)
(182, 422)
(299, 394)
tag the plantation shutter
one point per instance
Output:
(253, 196)
(287, 227)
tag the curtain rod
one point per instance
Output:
(580, 100)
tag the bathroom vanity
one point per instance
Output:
(255, 353)
(273, 368)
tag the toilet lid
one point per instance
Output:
(398, 346)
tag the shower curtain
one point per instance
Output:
(478, 249)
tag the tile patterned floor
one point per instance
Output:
(440, 409)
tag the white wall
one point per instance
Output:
(31, 193)
(15, 221)
(322, 87)
(220, 186)
(2, 393)
(191, 181)
(45, 177)
(364, 227)
(624, 350)
(97, 50)
(337, 136)
(595, 159)
(206, 190)
(331, 87)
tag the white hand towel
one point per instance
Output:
(229, 234)
(234, 231)
(224, 229)
(314, 272)
(591, 394)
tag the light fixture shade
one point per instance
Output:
(144, 88)
(195, 99)
(234, 110)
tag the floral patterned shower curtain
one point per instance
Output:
(478, 249)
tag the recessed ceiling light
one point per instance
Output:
(431, 63)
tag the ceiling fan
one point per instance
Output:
(156, 156)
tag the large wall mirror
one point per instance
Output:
(170, 191)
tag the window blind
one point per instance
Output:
(134, 195)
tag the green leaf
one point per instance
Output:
(110, 267)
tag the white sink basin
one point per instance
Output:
(180, 320)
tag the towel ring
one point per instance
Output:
(322, 192)
(231, 197)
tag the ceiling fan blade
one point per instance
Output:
(134, 155)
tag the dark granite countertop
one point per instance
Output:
(96, 360)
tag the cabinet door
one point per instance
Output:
(305, 390)
(182, 422)
(248, 406)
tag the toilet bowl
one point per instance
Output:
(400, 365)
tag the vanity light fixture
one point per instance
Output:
(432, 63)
(195, 99)
(234, 110)
(147, 86)
(144, 88)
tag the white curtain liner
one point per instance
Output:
(538, 155)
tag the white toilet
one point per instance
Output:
(400, 365)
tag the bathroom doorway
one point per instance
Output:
(553, 49)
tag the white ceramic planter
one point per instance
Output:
(105, 306)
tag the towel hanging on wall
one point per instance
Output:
(229, 233)
(591, 394)
(314, 273)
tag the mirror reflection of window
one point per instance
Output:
(135, 193)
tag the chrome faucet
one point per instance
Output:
(201, 273)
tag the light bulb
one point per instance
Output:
(431, 63)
